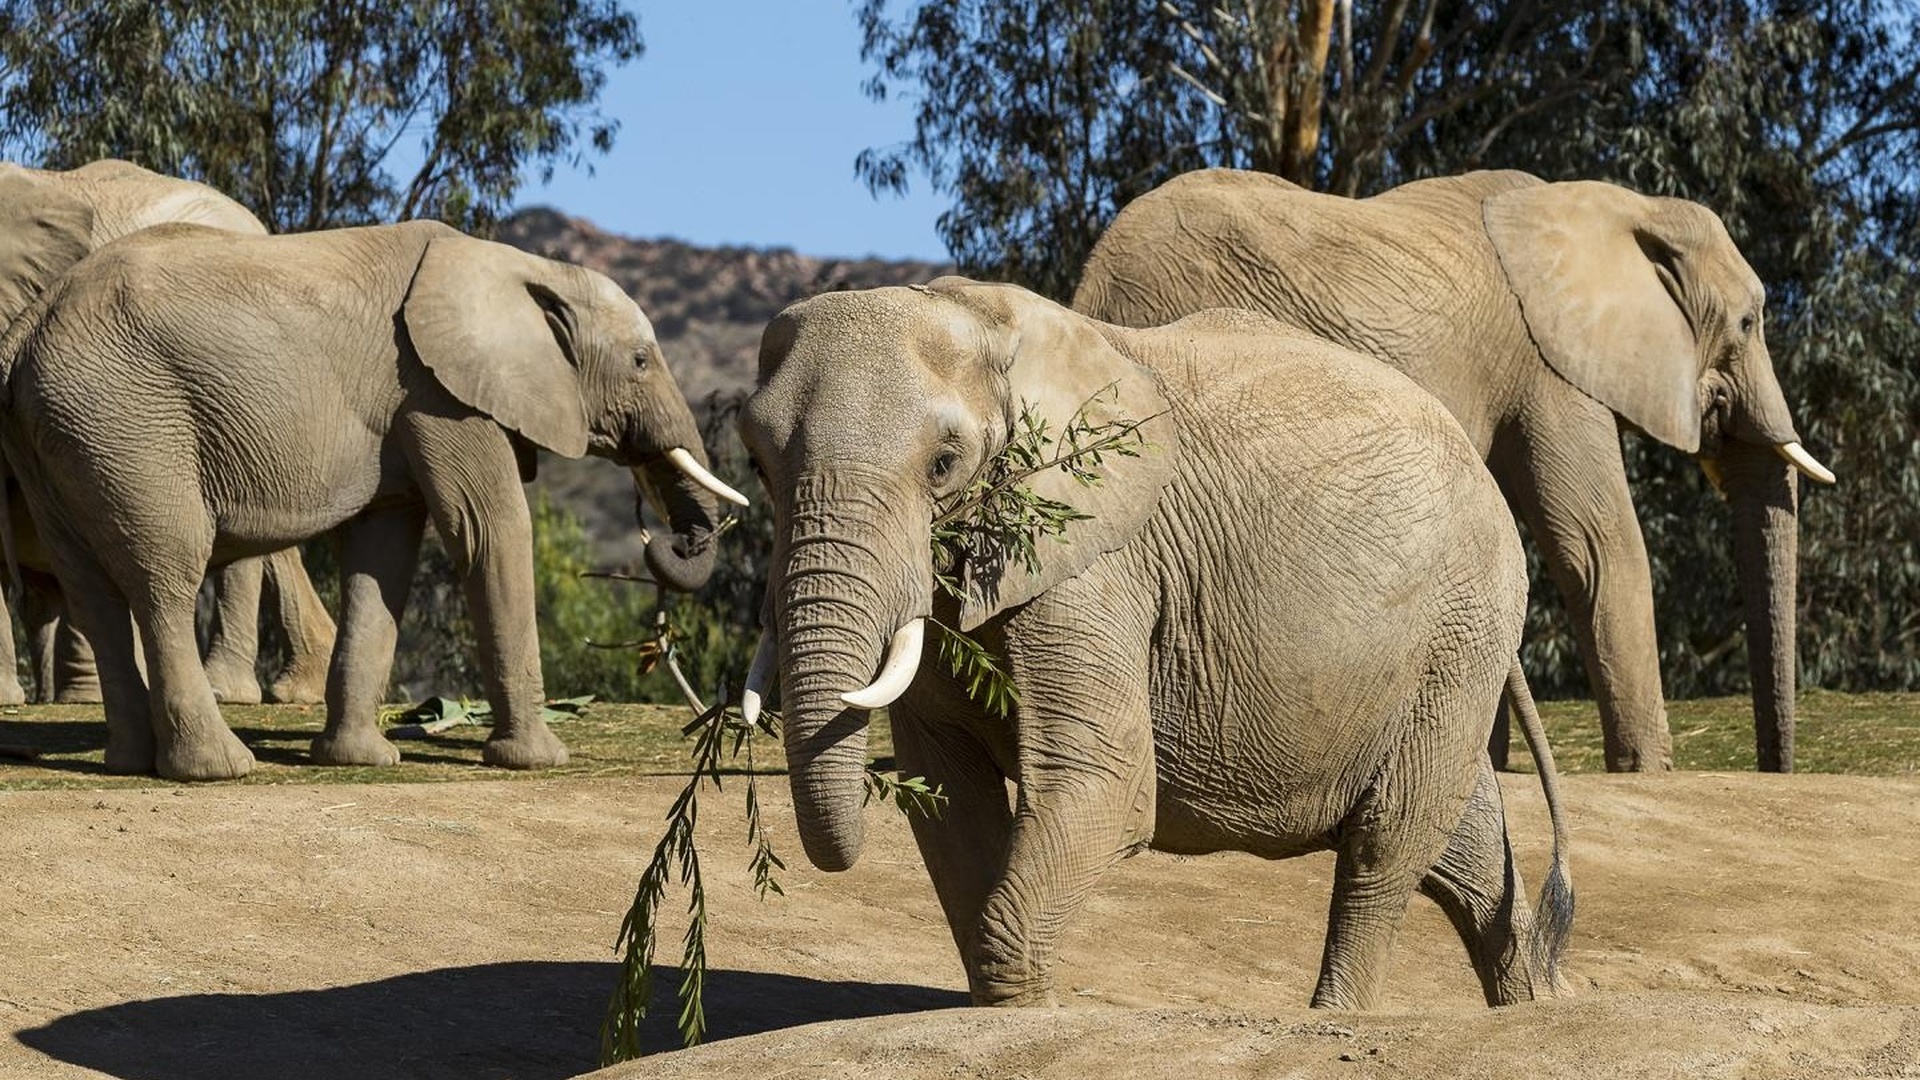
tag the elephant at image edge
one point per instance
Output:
(1535, 312)
(285, 385)
(1284, 628)
(48, 220)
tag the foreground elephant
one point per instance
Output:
(1536, 312)
(1284, 629)
(47, 221)
(186, 397)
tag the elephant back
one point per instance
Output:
(127, 198)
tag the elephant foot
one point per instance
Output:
(217, 756)
(1036, 997)
(130, 755)
(354, 746)
(296, 686)
(11, 692)
(233, 685)
(534, 749)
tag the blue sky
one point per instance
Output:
(740, 126)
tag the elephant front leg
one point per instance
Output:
(377, 555)
(1086, 788)
(470, 477)
(233, 641)
(965, 847)
(1573, 493)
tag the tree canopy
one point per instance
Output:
(317, 113)
(1798, 121)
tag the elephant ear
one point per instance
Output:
(491, 325)
(1601, 290)
(1054, 364)
(43, 230)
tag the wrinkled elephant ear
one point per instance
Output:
(1600, 287)
(1056, 363)
(42, 232)
(499, 329)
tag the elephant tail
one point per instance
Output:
(1553, 915)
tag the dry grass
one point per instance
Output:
(610, 740)
(1868, 734)
(1865, 734)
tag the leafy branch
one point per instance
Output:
(1000, 517)
(719, 734)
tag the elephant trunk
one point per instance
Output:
(683, 560)
(845, 589)
(1762, 491)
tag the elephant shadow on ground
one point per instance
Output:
(529, 1020)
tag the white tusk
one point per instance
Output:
(759, 677)
(685, 463)
(1805, 462)
(896, 674)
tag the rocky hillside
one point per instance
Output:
(708, 306)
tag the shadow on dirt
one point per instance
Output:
(532, 1020)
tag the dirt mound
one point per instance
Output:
(1619, 1036)
(1732, 925)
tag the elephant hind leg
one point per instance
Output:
(308, 629)
(1388, 842)
(162, 586)
(1376, 869)
(233, 642)
(95, 606)
(1477, 883)
(192, 741)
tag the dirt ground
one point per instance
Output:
(1728, 926)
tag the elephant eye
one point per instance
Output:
(1746, 324)
(943, 465)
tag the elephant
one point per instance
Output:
(1545, 316)
(1282, 627)
(184, 397)
(48, 219)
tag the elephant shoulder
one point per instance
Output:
(1455, 196)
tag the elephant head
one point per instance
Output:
(1646, 305)
(875, 412)
(43, 230)
(562, 357)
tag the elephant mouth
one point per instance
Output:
(1792, 452)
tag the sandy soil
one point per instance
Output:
(1729, 926)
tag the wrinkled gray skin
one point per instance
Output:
(1284, 630)
(1537, 313)
(48, 219)
(186, 397)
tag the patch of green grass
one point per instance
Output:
(609, 740)
(1866, 734)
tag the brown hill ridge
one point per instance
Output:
(708, 306)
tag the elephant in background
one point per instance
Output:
(1283, 629)
(48, 220)
(185, 397)
(1538, 313)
